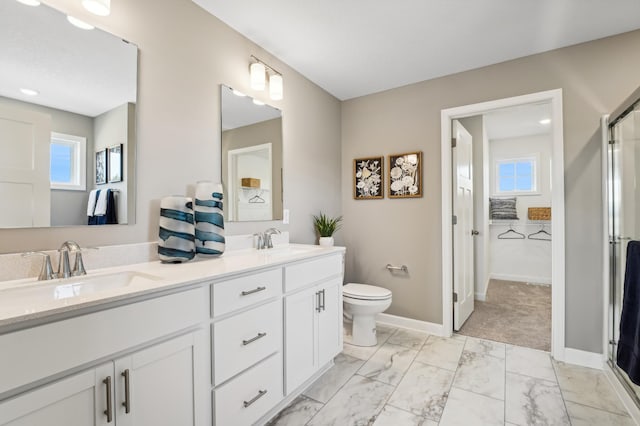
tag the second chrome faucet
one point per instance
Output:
(264, 238)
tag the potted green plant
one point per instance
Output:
(325, 227)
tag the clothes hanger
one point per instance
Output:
(541, 235)
(256, 199)
(511, 234)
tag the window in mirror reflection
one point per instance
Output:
(68, 162)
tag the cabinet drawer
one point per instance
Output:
(302, 274)
(251, 395)
(245, 339)
(245, 291)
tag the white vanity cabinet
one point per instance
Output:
(154, 386)
(161, 383)
(313, 317)
(247, 347)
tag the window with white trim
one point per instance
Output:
(517, 175)
(68, 162)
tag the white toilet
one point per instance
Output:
(362, 302)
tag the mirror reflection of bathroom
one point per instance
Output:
(251, 158)
(70, 94)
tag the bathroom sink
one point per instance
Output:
(59, 289)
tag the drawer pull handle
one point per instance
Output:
(318, 304)
(255, 290)
(127, 401)
(109, 410)
(255, 398)
(322, 292)
(259, 336)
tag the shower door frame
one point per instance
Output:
(609, 241)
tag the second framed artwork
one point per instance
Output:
(405, 175)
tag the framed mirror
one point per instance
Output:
(67, 97)
(251, 158)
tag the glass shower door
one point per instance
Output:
(624, 220)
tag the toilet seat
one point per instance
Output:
(365, 292)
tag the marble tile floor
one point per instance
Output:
(412, 378)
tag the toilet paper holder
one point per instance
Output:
(402, 268)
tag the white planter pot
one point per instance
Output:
(326, 241)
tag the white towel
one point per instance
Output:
(101, 204)
(91, 204)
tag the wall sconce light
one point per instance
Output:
(257, 76)
(98, 7)
(258, 73)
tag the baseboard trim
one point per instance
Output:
(481, 296)
(584, 358)
(521, 278)
(622, 393)
(411, 324)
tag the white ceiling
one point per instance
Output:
(85, 72)
(240, 111)
(357, 47)
(517, 121)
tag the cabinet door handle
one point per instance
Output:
(109, 410)
(255, 290)
(318, 305)
(259, 336)
(323, 295)
(255, 398)
(127, 401)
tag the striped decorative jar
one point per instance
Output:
(209, 219)
(177, 230)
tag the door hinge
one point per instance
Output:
(612, 142)
(454, 220)
(454, 142)
(455, 297)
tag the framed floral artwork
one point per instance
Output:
(405, 175)
(368, 178)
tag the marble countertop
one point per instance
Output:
(28, 301)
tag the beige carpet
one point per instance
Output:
(514, 312)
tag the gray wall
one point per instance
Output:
(67, 207)
(185, 54)
(595, 77)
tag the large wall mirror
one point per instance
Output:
(67, 121)
(251, 158)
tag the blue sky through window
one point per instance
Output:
(61, 162)
(517, 175)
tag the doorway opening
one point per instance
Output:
(513, 244)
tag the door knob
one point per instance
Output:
(474, 232)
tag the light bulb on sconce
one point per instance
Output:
(98, 7)
(276, 90)
(258, 78)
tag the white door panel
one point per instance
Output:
(463, 271)
(24, 169)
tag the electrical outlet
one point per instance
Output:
(285, 216)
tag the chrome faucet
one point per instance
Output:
(64, 269)
(264, 238)
(267, 237)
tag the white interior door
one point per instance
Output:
(463, 280)
(24, 168)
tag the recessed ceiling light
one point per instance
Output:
(98, 7)
(78, 23)
(29, 2)
(257, 102)
(238, 93)
(29, 92)
(545, 121)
